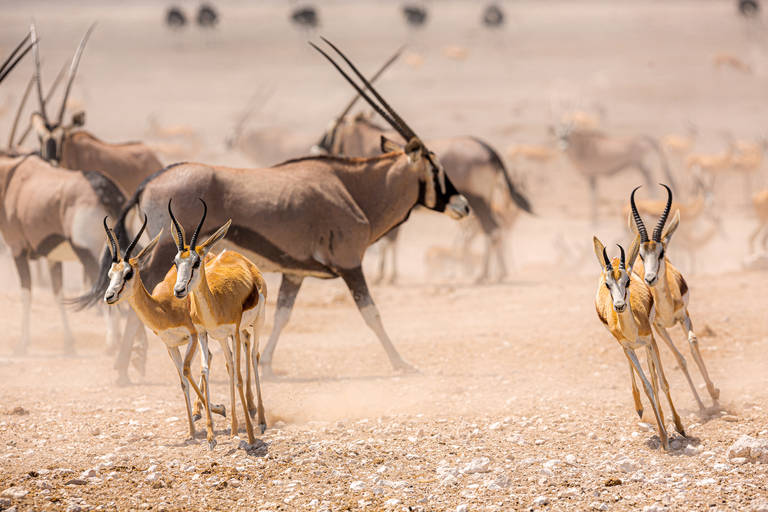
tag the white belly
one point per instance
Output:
(174, 337)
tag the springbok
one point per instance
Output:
(669, 289)
(760, 203)
(62, 145)
(164, 314)
(326, 212)
(46, 212)
(594, 154)
(625, 306)
(228, 296)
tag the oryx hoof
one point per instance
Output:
(403, 367)
(122, 380)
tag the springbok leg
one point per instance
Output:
(654, 376)
(635, 391)
(230, 372)
(289, 288)
(653, 352)
(693, 342)
(357, 286)
(248, 365)
(54, 268)
(201, 389)
(25, 280)
(238, 348)
(202, 338)
(680, 362)
(179, 364)
(651, 397)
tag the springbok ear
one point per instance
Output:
(146, 251)
(671, 227)
(38, 123)
(218, 235)
(634, 250)
(388, 146)
(414, 149)
(78, 119)
(599, 247)
(631, 223)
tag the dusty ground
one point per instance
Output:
(523, 398)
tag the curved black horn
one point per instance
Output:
(638, 220)
(663, 219)
(608, 265)
(135, 240)
(73, 72)
(36, 52)
(403, 126)
(177, 227)
(12, 59)
(622, 261)
(193, 240)
(112, 241)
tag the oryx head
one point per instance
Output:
(653, 250)
(51, 132)
(190, 258)
(124, 269)
(436, 191)
(616, 274)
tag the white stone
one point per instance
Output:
(357, 485)
(571, 492)
(496, 426)
(570, 460)
(153, 476)
(462, 508)
(719, 466)
(749, 448)
(478, 465)
(706, 481)
(628, 466)
(655, 508)
(541, 501)
(392, 502)
(760, 506)
(89, 473)
(597, 505)
(14, 492)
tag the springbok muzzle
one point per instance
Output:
(458, 207)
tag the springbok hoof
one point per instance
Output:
(640, 413)
(262, 427)
(211, 444)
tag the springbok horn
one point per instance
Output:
(177, 227)
(403, 125)
(10, 62)
(362, 94)
(622, 262)
(48, 96)
(608, 265)
(112, 241)
(638, 220)
(663, 219)
(73, 72)
(135, 240)
(193, 240)
(41, 101)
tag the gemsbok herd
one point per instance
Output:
(313, 216)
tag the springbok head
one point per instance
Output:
(51, 132)
(124, 269)
(653, 250)
(436, 191)
(616, 274)
(189, 257)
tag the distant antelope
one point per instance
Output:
(626, 308)
(760, 203)
(727, 60)
(537, 153)
(595, 154)
(680, 145)
(312, 216)
(669, 289)
(164, 314)
(228, 296)
(62, 145)
(710, 162)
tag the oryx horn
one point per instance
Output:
(13, 59)
(41, 101)
(73, 71)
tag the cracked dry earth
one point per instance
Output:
(513, 409)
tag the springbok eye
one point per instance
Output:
(129, 274)
(607, 286)
(197, 263)
(661, 254)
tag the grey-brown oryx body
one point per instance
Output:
(311, 216)
(52, 213)
(669, 289)
(63, 145)
(595, 154)
(473, 165)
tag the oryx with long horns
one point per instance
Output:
(16, 55)
(669, 289)
(312, 216)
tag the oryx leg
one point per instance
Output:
(55, 271)
(764, 241)
(289, 288)
(393, 237)
(497, 240)
(653, 353)
(486, 223)
(355, 281)
(202, 339)
(260, 414)
(635, 391)
(238, 348)
(693, 342)
(651, 396)
(177, 361)
(25, 280)
(592, 181)
(680, 362)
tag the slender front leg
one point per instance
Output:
(177, 362)
(54, 268)
(654, 353)
(654, 375)
(261, 416)
(651, 397)
(202, 338)
(357, 286)
(25, 280)
(635, 391)
(693, 342)
(238, 374)
(289, 288)
(680, 362)
(200, 389)
(230, 372)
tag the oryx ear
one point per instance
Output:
(218, 235)
(599, 248)
(78, 119)
(38, 123)
(146, 251)
(388, 146)
(414, 149)
(634, 250)
(671, 227)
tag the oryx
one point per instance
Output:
(312, 216)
